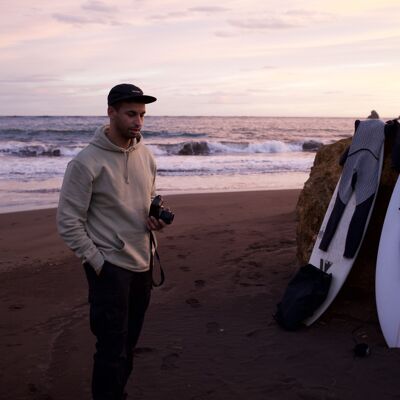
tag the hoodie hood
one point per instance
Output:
(101, 140)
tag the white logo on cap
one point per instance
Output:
(136, 91)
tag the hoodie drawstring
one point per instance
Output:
(126, 175)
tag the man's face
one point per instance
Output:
(128, 119)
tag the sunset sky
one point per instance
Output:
(238, 57)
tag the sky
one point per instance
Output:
(230, 58)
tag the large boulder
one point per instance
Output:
(194, 149)
(313, 202)
(312, 145)
(373, 115)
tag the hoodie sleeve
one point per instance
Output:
(75, 196)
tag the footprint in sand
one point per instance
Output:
(37, 392)
(15, 307)
(143, 350)
(255, 333)
(193, 302)
(169, 361)
(32, 388)
(214, 327)
(167, 288)
(316, 393)
(199, 283)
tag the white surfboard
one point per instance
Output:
(332, 260)
(387, 282)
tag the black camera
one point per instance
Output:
(157, 210)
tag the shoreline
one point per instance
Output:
(166, 194)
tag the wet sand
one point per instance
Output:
(209, 332)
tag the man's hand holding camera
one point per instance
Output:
(159, 217)
(154, 224)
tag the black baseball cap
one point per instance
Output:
(128, 92)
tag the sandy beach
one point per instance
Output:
(209, 332)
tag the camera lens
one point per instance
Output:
(167, 216)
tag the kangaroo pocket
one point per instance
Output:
(133, 246)
(104, 240)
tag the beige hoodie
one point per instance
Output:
(104, 202)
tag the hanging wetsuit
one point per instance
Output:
(360, 174)
(392, 128)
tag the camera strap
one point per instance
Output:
(162, 275)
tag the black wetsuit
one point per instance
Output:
(360, 175)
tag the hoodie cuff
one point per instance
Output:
(96, 262)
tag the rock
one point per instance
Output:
(313, 202)
(373, 115)
(56, 152)
(312, 145)
(51, 153)
(194, 148)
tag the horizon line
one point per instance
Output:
(185, 116)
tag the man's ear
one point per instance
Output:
(111, 111)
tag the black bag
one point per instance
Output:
(306, 291)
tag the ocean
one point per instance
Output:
(194, 154)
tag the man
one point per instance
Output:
(103, 217)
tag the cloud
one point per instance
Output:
(258, 69)
(289, 19)
(95, 12)
(73, 19)
(208, 9)
(35, 78)
(187, 13)
(224, 34)
(299, 12)
(261, 23)
(169, 16)
(98, 6)
(304, 17)
(79, 20)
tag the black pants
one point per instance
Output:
(118, 301)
